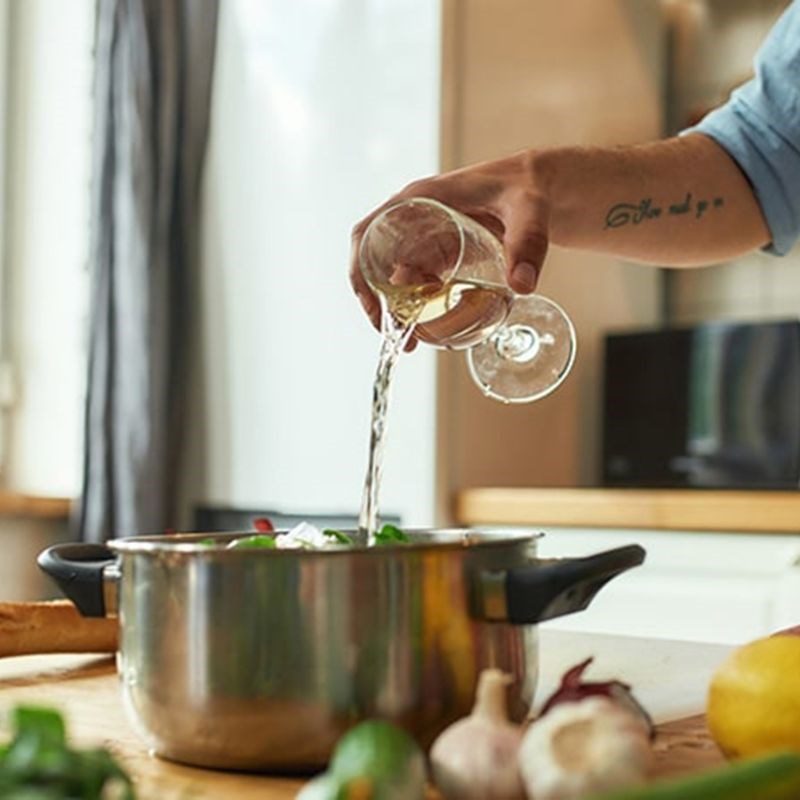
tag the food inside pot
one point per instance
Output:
(306, 536)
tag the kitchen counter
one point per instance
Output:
(664, 509)
(669, 678)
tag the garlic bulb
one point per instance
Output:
(581, 748)
(476, 757)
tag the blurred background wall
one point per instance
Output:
(321, 109)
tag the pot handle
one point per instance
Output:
(80, 569)
(546, 588)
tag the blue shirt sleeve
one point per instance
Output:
(760, 128)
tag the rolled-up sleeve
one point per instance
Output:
(760, 128)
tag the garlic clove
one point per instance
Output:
(585, 747)
(476, 758)
(574, 688)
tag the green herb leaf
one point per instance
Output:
(46, 724)
(259, 540)
(391, 534)
(341, 538)
(38, 763)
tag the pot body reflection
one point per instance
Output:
(232, 659)
(261, 658)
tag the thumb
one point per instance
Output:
(525, 242)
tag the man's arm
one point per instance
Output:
(677, 202)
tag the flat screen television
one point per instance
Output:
(716, 405)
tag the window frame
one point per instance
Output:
(6, 370)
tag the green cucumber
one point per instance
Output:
(772, 777)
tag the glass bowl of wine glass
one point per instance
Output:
(441, 275)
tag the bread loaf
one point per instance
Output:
(53, 627)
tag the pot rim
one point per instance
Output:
(454, 539)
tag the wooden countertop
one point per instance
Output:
(680, 509)
(85, 689)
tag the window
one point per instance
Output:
(46, 78)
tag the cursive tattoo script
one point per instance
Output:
(684, 207)
(636, 213)
(623, 213)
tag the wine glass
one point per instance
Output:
(443, 274)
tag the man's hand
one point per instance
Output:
(500, 195)
(678, 202)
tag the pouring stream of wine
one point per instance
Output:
(396, 329)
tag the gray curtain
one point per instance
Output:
(154, 62)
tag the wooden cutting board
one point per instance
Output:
(669, 678)
(85, 689)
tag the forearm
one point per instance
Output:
(678, 202)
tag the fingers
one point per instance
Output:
(413, 268)
(371, 305)
(523, 277)
(525, 242)
(369, 302)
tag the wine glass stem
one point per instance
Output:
(518, 343)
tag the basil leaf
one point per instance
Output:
(391, 534)
(257, 541)
(39, 764)
(341, 538)
(46, 724)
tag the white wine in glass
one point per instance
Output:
(442, 274)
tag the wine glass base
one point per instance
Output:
(529, 357)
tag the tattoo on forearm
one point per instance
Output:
(636, 213)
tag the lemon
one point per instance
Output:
(754, 698)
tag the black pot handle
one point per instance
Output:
(546, 589)
(78, 569)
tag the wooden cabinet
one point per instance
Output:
(519, 74)
(721, 566)
(707, 587)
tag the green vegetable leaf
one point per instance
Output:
(391, 534)
(46, 724)
(259, 540)
(341, 538)
(39, 764)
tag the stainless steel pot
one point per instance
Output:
(261, 659)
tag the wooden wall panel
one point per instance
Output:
(522, 73)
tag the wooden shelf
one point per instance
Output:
(13, 504)
(697, 510)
